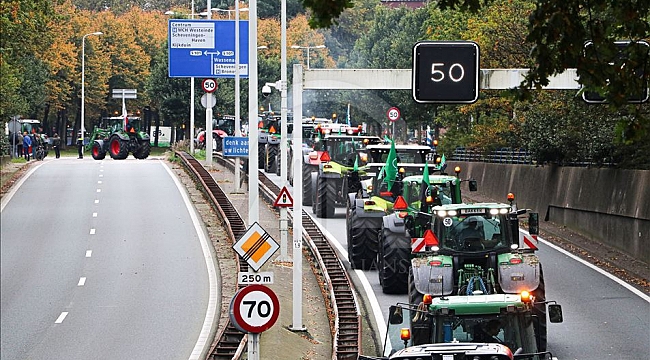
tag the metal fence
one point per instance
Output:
(502, 156)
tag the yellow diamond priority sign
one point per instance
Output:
(256, 246)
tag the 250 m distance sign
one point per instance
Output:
(445, 72)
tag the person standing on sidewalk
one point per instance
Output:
(27, 145)
(56, 143)
(80, 146)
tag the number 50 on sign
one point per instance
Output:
(445, 72)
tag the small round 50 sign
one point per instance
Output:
(393, 114)
(254, 309)
(209, 85)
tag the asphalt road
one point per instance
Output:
(103, 260)
(603, 318)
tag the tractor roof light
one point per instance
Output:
(429, 199)
(405, 334)
(438, 159)
(511, 197)
(441, 213)
(526, 296)
(427, 299)
(514, 246)
(402, 171)
(503, 211)
(366, 141)
(494, 211)
(400, 203)
(435, 142)
(457, 170)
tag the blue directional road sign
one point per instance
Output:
(206, 48)
(235, 146)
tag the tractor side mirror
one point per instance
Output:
(555, 313)
(472, 185)
(533, 223)
(395, 316)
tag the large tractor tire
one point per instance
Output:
(97, 152)
(118, 148)
(143, 150)
(325, 198)
(278, 167)
(306, 185)
(540, 310)
(363, 239)
(394, 262)
(218, 144)
(261, 156)
(271, 157)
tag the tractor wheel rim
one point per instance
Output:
(115, 146)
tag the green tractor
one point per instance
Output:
(119, 138)
(269, 137)
(461, 249)
(341, 160)
(497, 326)
(367, 207)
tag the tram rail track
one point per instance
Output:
(336, 286)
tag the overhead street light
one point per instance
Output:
(308, 48)
(83, 81)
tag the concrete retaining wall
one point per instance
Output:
(606, 205)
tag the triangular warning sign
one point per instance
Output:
(284, 199)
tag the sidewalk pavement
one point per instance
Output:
(279, 342)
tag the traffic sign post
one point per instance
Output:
(640, 96)
(206, 48)
(445, 72)
(256, 246)
(209, 85)
(254, 309)
(393, 115)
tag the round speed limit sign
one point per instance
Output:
(254, 309)
(209, 85)
(393, 114)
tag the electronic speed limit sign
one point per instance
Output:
(254, 309)
(445, 72)
(209, 85)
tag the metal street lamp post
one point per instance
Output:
(83, 81)
(308, 48)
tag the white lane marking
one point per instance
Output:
(61, 317)
(5, 199)
(612, 277)
(96, 201)
(94, 214)
(210, 314)
(82, 281)
(101, 175)
(99, 190)
(89, 253)
(92, 231)
(99, 182)
(101, 170)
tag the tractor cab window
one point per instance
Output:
(516, 331)
(474, 233)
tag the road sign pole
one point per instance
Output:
(253, 172)
(208, 130)
(237, 95)
(297, 202)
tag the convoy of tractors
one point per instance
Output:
(474, 284)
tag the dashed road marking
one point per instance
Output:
(94, 214)
(89, 253)
(82, 281)
(92, 231)
(96, 201)
(61, 317)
